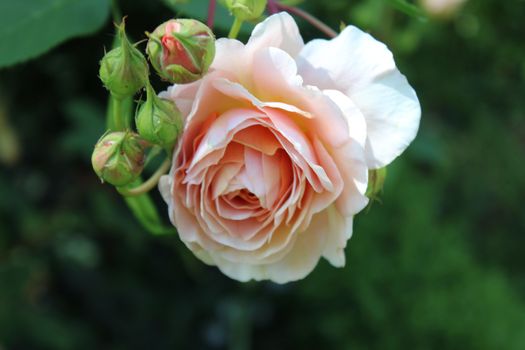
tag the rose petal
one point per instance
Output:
(279, 30)
(339, 233)
(259, 138)
(364, 69)
(285, 86)
(296, 264)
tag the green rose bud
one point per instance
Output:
(123, 70)
(118, 157)
(246, 10)
(158, 121)
(181, 50)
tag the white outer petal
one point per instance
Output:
(340, 232)
(279, 30)
(350, 158)
(364, 69)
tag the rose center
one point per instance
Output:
(247, 195)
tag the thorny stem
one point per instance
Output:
(211, 13)
(309, 18)
(148, 184)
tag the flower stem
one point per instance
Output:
(117, 16)
(211, 13)
(118, 122)
(148, 184)
(146, 213)
(236, 27)
(272, 7)
(309, 18)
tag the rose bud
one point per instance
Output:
(118, 157)
(246, 10)
(181, 50)
(158, 121)
(123, 70)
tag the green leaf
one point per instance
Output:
(408, 8)
(32, 27)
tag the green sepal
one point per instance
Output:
(144, 209)
(376, 181)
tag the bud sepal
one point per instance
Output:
(158, 120)
(376, 181)
(124, 69)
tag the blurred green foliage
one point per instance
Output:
(437, 264)
(31, 27)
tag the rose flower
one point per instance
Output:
(278, 139)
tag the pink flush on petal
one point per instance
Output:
(173, 51)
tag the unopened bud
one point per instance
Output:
(118, 157)
(123, 70)
(158, 121)
(246, 10)
(181, 50)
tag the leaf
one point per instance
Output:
(32, 27)
(408, 8)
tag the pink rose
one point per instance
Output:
(278, 139)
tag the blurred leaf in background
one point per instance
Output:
(31, 27)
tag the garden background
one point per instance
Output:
(437, 263)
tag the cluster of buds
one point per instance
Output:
(181, 52)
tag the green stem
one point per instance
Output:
(118, 118)
(119, 113)
(236, 27)
(309, 18)
(147, 215)
(117, 16)
(149, 184)
(118, 122)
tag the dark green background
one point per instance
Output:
(438, 264)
